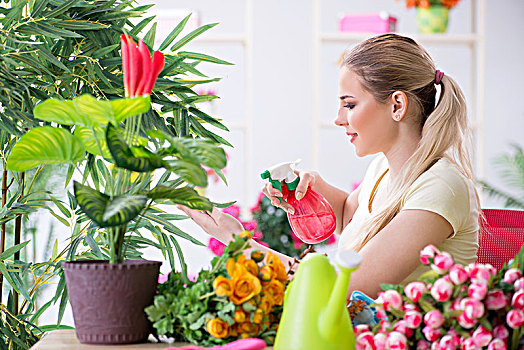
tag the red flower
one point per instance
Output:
(140, 71)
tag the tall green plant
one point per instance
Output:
(511, 170)
(63, 49)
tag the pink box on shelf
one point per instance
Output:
(381, 22)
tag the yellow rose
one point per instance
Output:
(267, 303)
(218, 328)
(248, 328)
(275, 289)
(222, 286)
(240, 316)
(251, 267)
(245, 286)
(278, 267)
(257, 255)
(266, 273)
(246, 235)
(258, 316)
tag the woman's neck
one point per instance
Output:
(400, 152)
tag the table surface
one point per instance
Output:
(65, 339)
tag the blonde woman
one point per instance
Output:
(418, 190)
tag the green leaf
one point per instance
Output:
(185, 196)
(189, 171)
(149, 38)
(48, 30)
(60, 8)
(191, 36)
(61, 207)
(61, 219)
(124, 156)
(51, 58)
(90, 142)
(207, 118)
(128, 107)
(104, 51)
(106, 212)
(12, 250)
(84, 111)
(45, 145)
(81, 25)
(174, 33)
(202, 57)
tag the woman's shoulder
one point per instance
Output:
(445, 173)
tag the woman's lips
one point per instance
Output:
(353, 136)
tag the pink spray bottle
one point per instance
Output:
(313, 220)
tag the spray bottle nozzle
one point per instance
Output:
(265, 175)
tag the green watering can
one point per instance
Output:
(315, 314)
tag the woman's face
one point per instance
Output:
(368, 123)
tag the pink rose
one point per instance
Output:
(414, 290)
(448, 342)
(423, 345)
(402, 327)
(162, 278)
(501, 332)
(385, 326)
(458, 274)
(361, 328)
(409, 307)
(469, 344)
(477, 290)
(519, 284)
(479, 273)
(396, 341)
(495, 300)
(482, 336)
(428, 253)
(518, 300)
(233, 210)
(431, 334)
(473, 308)
(250, 225)
(512, 275)
(433, 319)
(515, 318)
(465, 321)
(442, 262)
(380, 341)
(413, 319)
(497, 344)
(442, 289)
(391, 299)
(365, 341)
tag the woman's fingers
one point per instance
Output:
(306, 179)
(203, 219)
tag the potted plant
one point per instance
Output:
(99, 290)
(432, 15)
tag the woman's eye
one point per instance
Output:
(350, 105)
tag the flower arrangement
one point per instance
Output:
(451, 307)
(429, 3)
(239, 297)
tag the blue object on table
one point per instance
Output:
(369, 314)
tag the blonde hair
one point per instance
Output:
(389, 63)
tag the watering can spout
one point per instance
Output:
(329, 321)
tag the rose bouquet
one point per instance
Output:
(239, 297)
(451, 307)
(429, 3)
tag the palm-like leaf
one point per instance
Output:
(107, 212)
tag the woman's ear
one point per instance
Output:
(399, 101)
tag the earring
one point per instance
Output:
(396, 117)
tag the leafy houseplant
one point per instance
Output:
(511, 170)
(112, 129)
(238, 297)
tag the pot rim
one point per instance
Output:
(86, 264)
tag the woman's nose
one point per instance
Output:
(341, 119)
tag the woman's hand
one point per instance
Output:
(307, 179)
(217, 223)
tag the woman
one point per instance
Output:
(419, 190)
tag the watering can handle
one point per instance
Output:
(242, 344)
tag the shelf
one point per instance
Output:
(453, 39)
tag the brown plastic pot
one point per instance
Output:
(108, 300)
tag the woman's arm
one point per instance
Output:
(393, 253)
